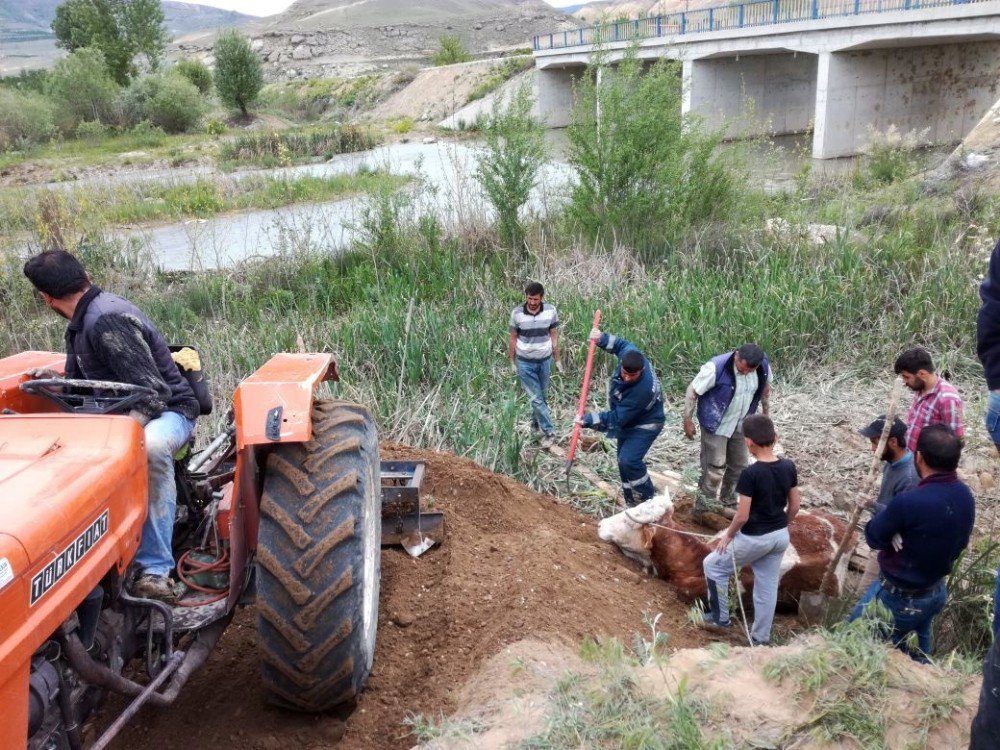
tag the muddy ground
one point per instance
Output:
(515, 564)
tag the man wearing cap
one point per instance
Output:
(898, 475)
(635, 416)
(726, 389)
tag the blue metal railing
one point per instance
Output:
(728, 17)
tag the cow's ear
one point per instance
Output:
(646, 534)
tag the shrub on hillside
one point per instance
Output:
(81, 88)
(196, 72)
(26, 119)
(239, 75)
(451, 51)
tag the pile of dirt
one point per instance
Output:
(511, 699)
(514, 564)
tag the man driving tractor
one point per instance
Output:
(108, 338)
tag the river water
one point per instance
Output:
(444, 185)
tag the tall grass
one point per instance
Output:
(271, 149)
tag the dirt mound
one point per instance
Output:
(515, 564)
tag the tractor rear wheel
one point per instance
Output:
(319, 561)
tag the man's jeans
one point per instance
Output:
(722, 460)
(534, 377)
(909, 614)
(993, 418)
(986, 725)
(165, 435)
(633, 445)
(763, 554)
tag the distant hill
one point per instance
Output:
(25, 20)
(351, 37)
(595, 11)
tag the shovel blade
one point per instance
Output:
(813, 607)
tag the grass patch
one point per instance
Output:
(606, 709)
(274, 149)
(91, 209)
(499, 75)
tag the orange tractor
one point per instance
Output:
(283, 508)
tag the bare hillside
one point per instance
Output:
(593, 12)
(351, 37)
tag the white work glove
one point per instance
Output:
(595, 333)
(897, 542)
(513, 367)
(43, 373)
(559, 366)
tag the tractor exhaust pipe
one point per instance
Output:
(179, 668)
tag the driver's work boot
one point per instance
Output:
(161, 588)
(702, 505)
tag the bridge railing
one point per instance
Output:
(727, 17)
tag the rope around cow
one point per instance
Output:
(709, 537)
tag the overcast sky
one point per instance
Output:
(270, 7)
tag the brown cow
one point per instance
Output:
(677, 557)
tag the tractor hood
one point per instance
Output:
(59, 473)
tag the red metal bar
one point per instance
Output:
(583, 396)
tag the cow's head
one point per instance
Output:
(628, 529)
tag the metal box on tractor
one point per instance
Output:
(283, 508)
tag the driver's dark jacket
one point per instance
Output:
(110, 339)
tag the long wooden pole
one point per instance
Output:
(582, 405)
(890, 417)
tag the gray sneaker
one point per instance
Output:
(161, 588)
(548, 441)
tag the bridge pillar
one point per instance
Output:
(761, 94)
(940, 91)
(555, 89)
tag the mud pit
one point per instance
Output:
(515, 564)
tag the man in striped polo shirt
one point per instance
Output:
(532, 348)
(935, 400)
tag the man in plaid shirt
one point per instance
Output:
(935, 401)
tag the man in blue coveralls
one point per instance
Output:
(634, 416)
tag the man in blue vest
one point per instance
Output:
(108, 338)
(726, 389)
(635, 416)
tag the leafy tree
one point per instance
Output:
(239, 75)
(515, 152)
(646, 172)
(167, 100)
(451, 51)
(121, 29)
(82, 88)
(195, 71)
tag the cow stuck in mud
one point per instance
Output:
(648, 534)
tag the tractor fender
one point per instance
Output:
(274, 405)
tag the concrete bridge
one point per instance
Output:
(835, 67)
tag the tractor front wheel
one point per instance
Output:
(319, 561)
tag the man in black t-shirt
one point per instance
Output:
(758, 535)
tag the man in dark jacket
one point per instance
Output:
(986, 725)
(635, 416)
(726, 389)
(109, 339)
(919, 536)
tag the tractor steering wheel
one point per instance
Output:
(88, 396)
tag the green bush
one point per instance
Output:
(215, 126)
(891, 155)
(177, 106)
(196, 72)
(515, 152)
(26, 119)
(451, 51)
(281, 149)
(239, 75)
(402, 126)
(91, 131)
(169, 101)
(81, 88)
(646, 173)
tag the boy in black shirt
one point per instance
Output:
(758, 536)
